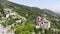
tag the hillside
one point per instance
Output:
(22, 18)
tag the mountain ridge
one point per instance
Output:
(26, 13)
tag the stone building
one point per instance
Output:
(42, 22)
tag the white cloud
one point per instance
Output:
(55, 8)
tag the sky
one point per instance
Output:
(53, 5)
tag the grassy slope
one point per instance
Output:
(32, 12)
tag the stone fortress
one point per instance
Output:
(42, 22)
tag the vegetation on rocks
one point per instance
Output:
(27, 15)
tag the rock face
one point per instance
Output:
(9, 15)
(42, 22)
(5, 30)
(1, 29)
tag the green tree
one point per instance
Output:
(26, 29)
(1, 9)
